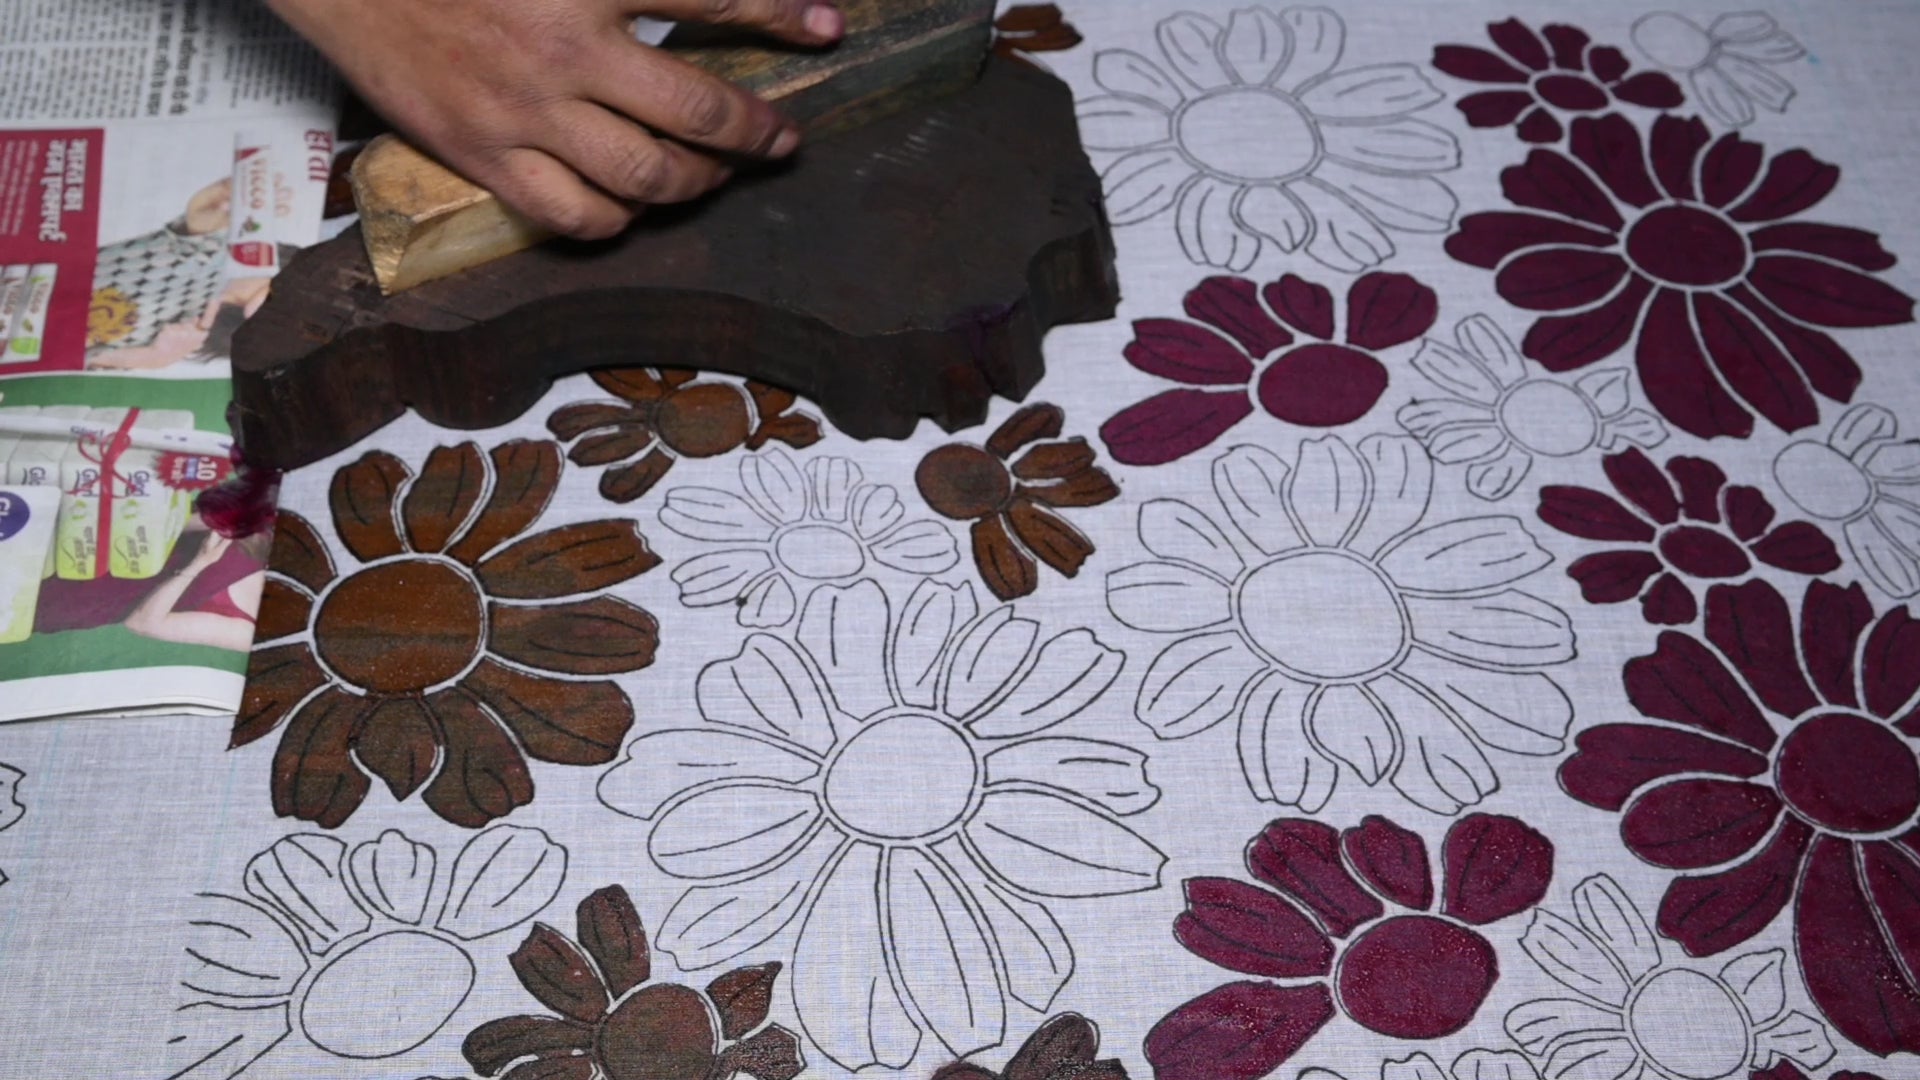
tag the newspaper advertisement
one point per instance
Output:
(159, 161)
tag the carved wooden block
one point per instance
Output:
(421, 221)
(905, 269)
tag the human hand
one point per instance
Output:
(208, 209)
(552, 105)
(210, 551)
(246, 293)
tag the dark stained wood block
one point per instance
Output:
(905, 269)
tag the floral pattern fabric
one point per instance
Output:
(1457, 622)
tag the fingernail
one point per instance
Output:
(786, 142)
(824, 21)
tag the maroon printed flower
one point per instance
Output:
(1786, 770)
(616, 1024)
(1684, 524)
(1247, 351)
(1015, 503)
(1690, 248)
(1322, 926)
(1565, 71)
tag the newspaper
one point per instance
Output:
(159, 161)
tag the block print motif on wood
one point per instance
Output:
(667, 414)
(436, 663)
(618, 1023)
(1015, 490)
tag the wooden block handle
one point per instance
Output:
(423, 221)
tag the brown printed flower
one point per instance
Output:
(665, 415)
(1062, 1049)
(457, 649)
(1693, 250)
(1681, 525)
(614, 1025)
(1032, 28)
(1534, 74)
(1014, 502)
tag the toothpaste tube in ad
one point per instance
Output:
(29, 327)
(77, 537)
(13, 297)
(254, 208)
(35, 461)
(9, 442)
(148, 512)
(26, 539)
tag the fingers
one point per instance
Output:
(625, 161)
(685, 103)
(805, 22)
(553, 196)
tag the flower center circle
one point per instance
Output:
(660, 1033)
(819, 552)
(1825, 482)
(1322, 385)
(1286, 609)
(704, 420)
(1689, 1025)
(1672, 41)
(1574, 93)
(1250, 134)
(401, 627)
(1849, 774)
(1701, 552)
(1416, 977)
(417, 980)
(1687, 246)
(905, 753)
(1549, 418)
(963, 482)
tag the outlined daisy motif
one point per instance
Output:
(1504, 412)
(11, 808)
(1476, 1064)
(1640, 1012)
(459, 646)
(788, 530)
(1253, 134)
(893, 785)
(617, 1023)
(665, 414)
(1345, 631)
(320, 933)
(1868, 479)
(1725, 63)
(1538, 74)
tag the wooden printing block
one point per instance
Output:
(904, 269)
(422, 221)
